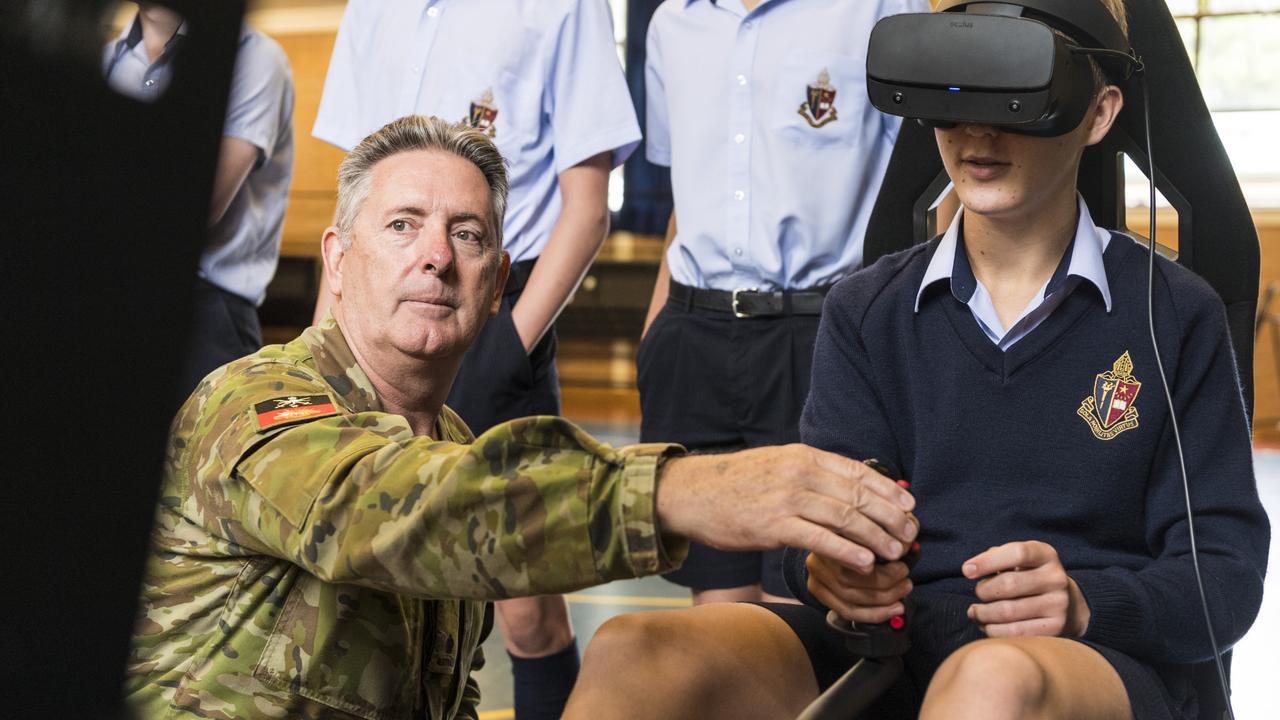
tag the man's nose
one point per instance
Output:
(436, 248)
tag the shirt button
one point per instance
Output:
(738, 195)
(739, 138)
(149, 82)
(746, 25)
(742, 79)
(415, 68)
(433, 11)
(737, 251)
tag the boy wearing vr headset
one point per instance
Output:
(1006, 369)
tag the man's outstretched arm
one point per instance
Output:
(534, 506)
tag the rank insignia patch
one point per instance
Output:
(819, 107)
(281, 410)
(1110, 409)
(483, 114)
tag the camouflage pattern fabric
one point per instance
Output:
(324, 562)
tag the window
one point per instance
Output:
(1234, 47)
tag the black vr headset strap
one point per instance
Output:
(1086, 21)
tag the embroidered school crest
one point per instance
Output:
(1110, 409)
(483, 114)
(819, 107)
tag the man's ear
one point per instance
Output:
(1103, 114)
(333, 253)
(504, 269)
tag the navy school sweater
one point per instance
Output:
(1064, 438)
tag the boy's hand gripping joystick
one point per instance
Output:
(880, 647)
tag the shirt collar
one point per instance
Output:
(1085, 251)
(132, 35)
(337, 365)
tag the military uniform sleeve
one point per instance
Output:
(533, 506)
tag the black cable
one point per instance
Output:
(1133, 65)
(1164, 382)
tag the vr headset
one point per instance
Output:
(996, 63)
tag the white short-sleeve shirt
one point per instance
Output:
(541, 77)
(243, 248)
(776, 153)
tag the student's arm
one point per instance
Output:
(1155, 612)
(324, 300)
(663, 284)
(846, 415)
(574, 242)
(236, 159)
(657, 150)
(259, 112)
(594, 128)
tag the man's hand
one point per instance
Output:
(1025, 591)
(857, 596)
(791, 495)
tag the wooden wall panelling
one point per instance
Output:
(315, 168)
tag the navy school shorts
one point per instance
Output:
(498, 380)
(713, 382)
(939, 627)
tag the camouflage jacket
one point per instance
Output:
(313, 558)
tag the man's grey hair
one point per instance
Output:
(419, 132)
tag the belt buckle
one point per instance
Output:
(737, 313)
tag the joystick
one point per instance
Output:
(879, 647)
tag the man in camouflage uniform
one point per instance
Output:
(327, 530)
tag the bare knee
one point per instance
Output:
(635, 645)
(627, 658)
(988, 679)
(535, 627)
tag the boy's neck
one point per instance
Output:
(1013, 257)
(159, 25)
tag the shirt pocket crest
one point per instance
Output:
(819, 99)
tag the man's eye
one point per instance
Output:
(466, 236)
(399, 225)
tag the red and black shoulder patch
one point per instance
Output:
(282, 410)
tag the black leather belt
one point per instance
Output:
(749, 302)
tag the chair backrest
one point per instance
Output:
(1216, 235)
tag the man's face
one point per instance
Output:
(420, 275)
(1000, 174)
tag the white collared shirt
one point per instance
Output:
(776, 153)
(541, 77)
(243, 248)
(1081, 261)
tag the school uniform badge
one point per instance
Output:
(819, 107)
(1110, 411)
(282, 410)
(483, 114)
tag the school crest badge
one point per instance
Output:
(483, 114)
(819, 107)
(1110, 411)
